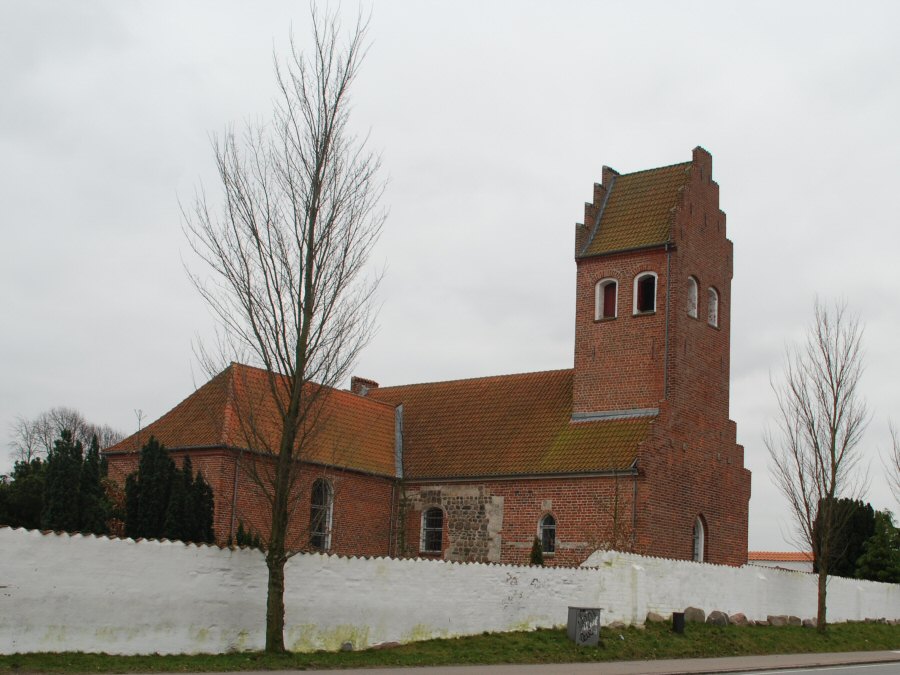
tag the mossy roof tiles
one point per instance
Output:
(638, 211)
(506, 426)
(509, 425)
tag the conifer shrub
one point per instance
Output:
(246, 537)
(537, 552)
(74, 499)
(163, 501)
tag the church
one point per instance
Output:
(632, 448)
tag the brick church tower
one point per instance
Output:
(652, 340)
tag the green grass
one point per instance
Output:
(540, 646)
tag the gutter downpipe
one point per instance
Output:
(391, 526)
(634, 507)
(666, 353)
(398, 472)
(237, 469)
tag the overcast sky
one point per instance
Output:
(493, 119)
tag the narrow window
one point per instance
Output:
(432, 530)
(699, 539)
(605, 299)
(321, 504)
(645, 293)
(548, 534)
(712, 317)
(692, 297)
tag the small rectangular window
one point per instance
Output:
(646, 294)
(432, 531)
(548, 534)
(609, 301)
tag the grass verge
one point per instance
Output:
(540, 646)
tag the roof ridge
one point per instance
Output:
(473, 379)
(331, 389)
(656, 168)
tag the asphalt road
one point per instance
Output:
(845, 663)
(858, 669)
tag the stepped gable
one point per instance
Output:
(236, 409)
(636, 210)
(508, 425)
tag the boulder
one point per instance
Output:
(809, 623)
(777, 620)
(653, 617)
(717, 618)
(761, 622)
(739, 619)
(794, 621)
(616, 625)
(694, 615)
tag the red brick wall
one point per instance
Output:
(362, 504)
(618, 362)
(693, 465)
(684, 476)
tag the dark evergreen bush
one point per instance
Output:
(147, 496)
(94, 507)
(162, 501)
(62, 486)
(247, 537)
(880, 560)
(22, 498)
(855, 524)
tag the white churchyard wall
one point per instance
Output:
(62, 592)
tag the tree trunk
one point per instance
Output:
(823, 585)
(275, 553)
(275, 603)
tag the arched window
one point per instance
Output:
(712, 315)
(692, 297)
(645, 293)
(432, 530)
(605, 299)
(548, 534)
(321, 506)
(699, 539)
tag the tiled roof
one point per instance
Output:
(237, 409)
(781, 556)
(504, 426)
(638, 210)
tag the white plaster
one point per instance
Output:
(756, 591)
(81, 593)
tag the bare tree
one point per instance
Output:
(33, 438)
(821, 419)
(893, 464)
(287, 252)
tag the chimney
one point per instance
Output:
(361, 386)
